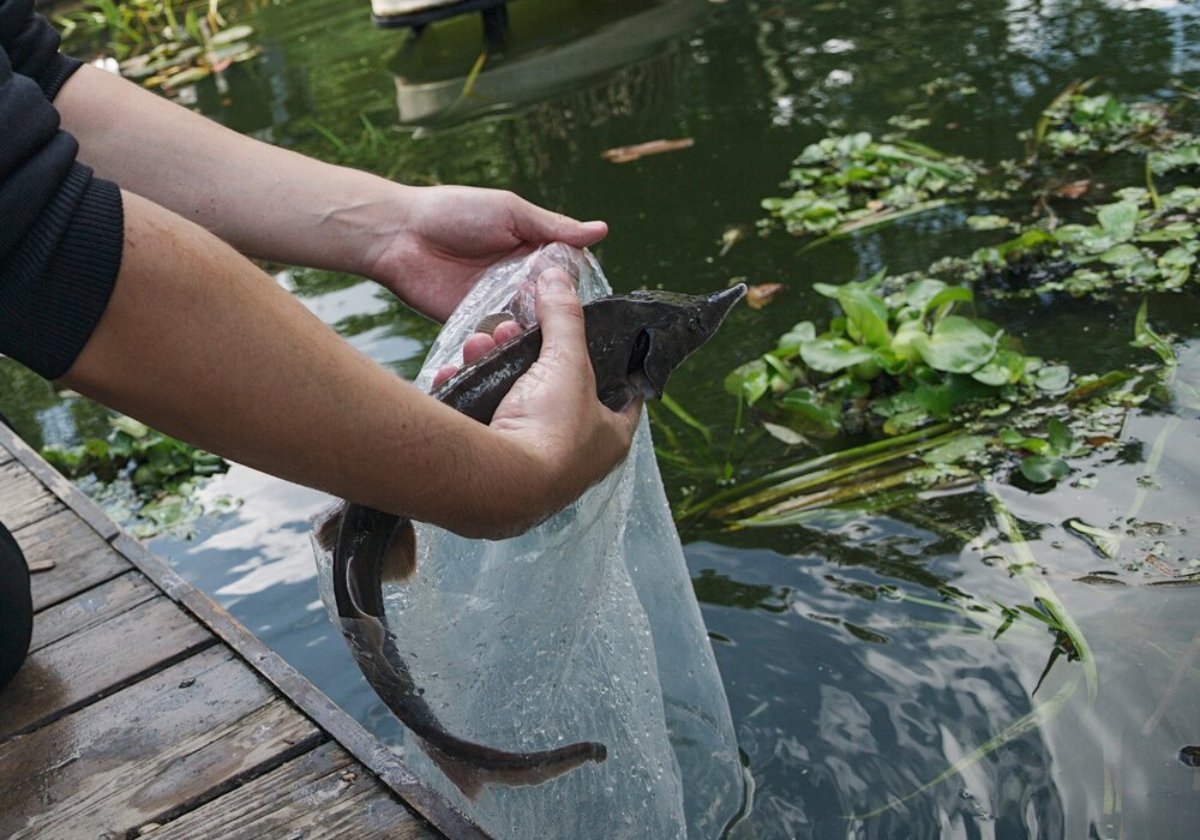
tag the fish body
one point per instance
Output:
(634, 342)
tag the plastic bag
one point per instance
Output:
(584, 628)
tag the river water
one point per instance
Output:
(853, 680)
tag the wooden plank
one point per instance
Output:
(91, 608)
(170, 742)
(67, 493)
(324, 793)
(68, 673)
(365, 747)
(81, 558)
(25, 500)
(344, 729)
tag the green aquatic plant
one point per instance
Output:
(164, 44)
(1143, 241)
(851, 182)
(901, 354)
(1046, 458)
(139, 475)
(1076, 123)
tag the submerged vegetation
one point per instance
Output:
(143, 478)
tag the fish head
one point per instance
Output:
(681, 325)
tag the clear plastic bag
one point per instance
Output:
(584, 628)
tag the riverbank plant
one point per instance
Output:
(163, 44)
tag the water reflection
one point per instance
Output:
(550, 50)
(834, 727)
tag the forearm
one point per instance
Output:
(266, 201)
(197, 342)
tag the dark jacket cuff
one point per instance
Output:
(50, 320)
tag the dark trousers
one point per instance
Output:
(16, 607)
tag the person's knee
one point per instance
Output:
(16, 606)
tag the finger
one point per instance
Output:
(443, 373)
(560, 315)
(537, 225)
(476, 347)
(506, 331)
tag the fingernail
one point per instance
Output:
(555, 279)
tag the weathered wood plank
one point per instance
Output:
(25, 499)
(344, 729)
(324, 793)
(172, 741)
(82, 559)
(59, 486)
(62, 676)
(91, 608)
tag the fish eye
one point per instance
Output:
(694, 324)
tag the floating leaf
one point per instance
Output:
(1042, 469)
(830, 355)
(760, 295)
(626, 154)
(784, 434)
(988, 222)
(749, 381)
(1106, 543)
(956, 450)
(956, 345)
(1144, 336)
(1053, 378)
(1118, 220)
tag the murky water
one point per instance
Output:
(854, 682)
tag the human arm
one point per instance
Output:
(182, 346)
(426, 244)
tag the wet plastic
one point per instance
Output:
(584, 628)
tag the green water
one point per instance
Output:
(850, 684)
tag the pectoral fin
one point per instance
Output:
(327, 531)
(400, 555)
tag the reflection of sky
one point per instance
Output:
(273, 516)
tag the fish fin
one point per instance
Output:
(466, 778)
(400, 556)
(327, 530)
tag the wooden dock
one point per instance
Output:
(145, 708)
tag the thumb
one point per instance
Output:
(538, 226)
(560, 315)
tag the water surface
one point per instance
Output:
(851, 686)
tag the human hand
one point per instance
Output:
(562, 437)
(477, 346)
(445, 236)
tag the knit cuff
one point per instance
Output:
(62, 310)
(57, 74)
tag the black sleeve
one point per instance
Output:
(61, 229)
